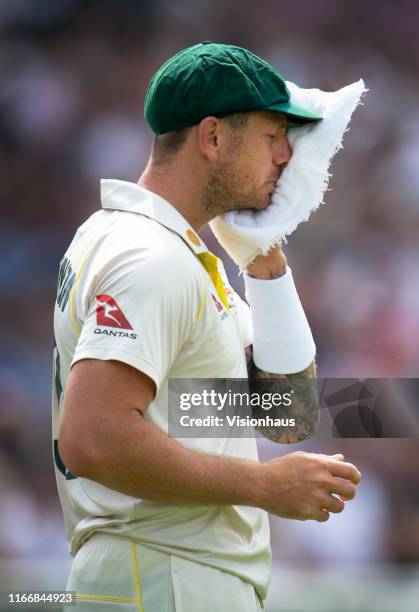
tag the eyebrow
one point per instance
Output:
(278, 122)
(279, 126)
(283, 122)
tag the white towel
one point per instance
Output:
(302, 185)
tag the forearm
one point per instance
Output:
(286, 344)
(304, 408)
(140, 460)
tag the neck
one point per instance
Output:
(179, 189)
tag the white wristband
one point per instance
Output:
(282, 339)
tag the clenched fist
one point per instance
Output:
(271, 265)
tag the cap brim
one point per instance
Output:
(296, 113)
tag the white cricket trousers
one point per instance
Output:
(111, 573)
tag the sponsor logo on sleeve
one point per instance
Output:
(219, 306)
(109, 314)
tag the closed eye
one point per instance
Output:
(282, 130)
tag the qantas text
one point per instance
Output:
(117, 334)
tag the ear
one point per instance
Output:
(209, 137)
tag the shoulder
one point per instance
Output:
(131, 249)
(154, 248)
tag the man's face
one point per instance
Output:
(245, 175)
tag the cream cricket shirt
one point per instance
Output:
(132, 288)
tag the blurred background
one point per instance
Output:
(73, 74)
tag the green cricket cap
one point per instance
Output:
(219, 80)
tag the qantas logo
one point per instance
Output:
(109, 314)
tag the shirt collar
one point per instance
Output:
(122, 195)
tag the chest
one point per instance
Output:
(215, 347)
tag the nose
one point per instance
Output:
(282, 152)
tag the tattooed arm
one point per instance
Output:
(304, 407)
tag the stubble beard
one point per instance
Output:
(225, 191)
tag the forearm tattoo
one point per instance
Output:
(304, 408)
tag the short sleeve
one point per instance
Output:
(140, 311)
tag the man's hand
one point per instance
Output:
(266, 267)
(304, 486)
